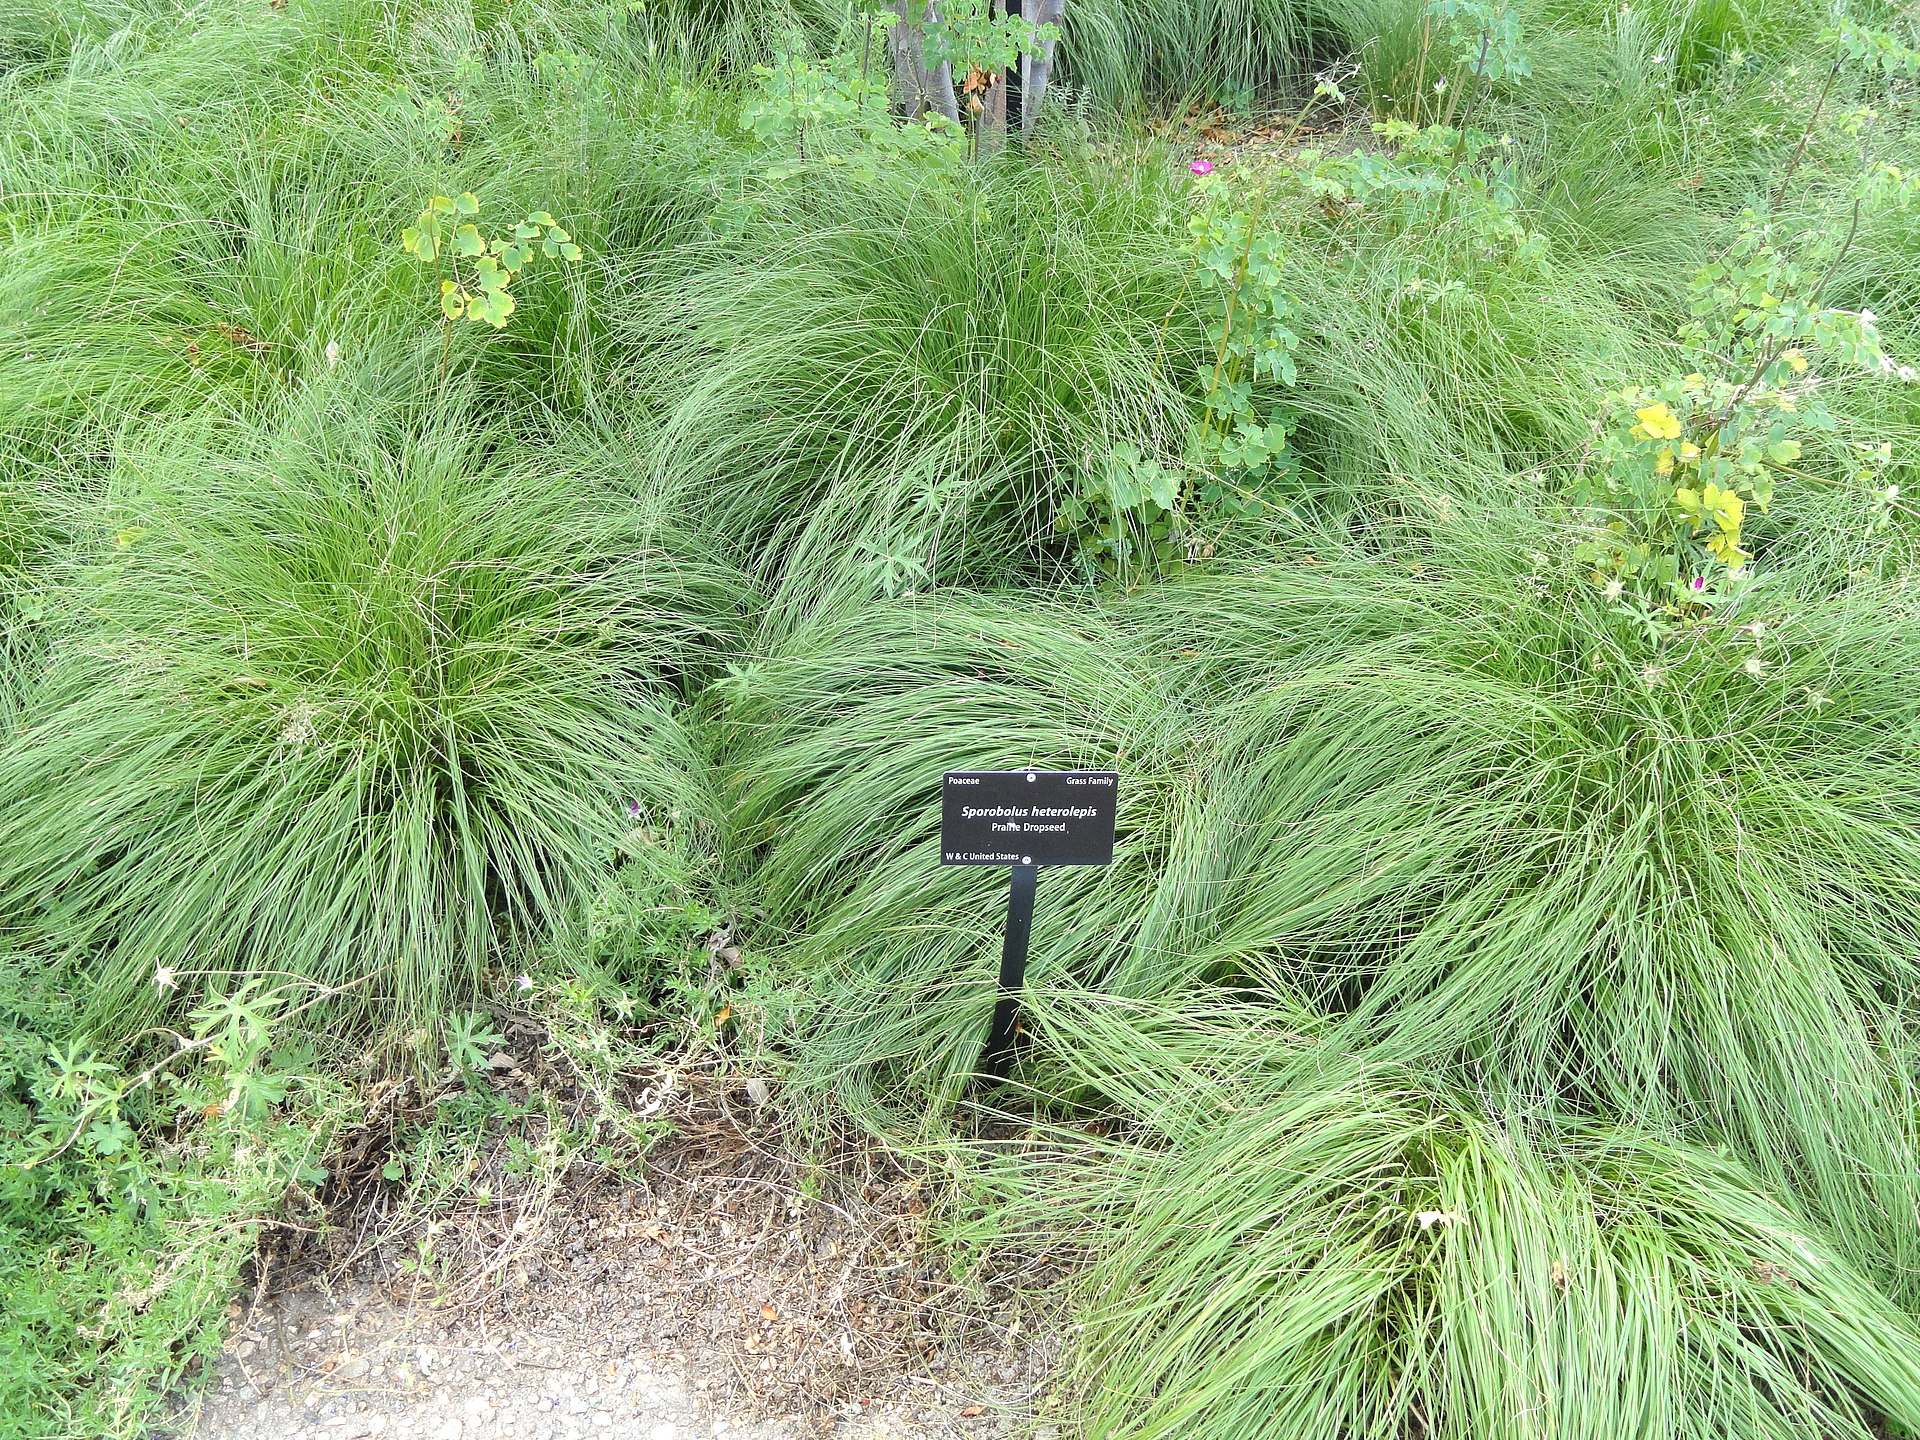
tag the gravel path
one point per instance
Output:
(361, 1364)
(720, 1292)
(713, 1300)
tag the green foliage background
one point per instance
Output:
(1500, 1017)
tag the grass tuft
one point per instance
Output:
(381, 691)
(1303, 1247)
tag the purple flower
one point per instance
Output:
(633, 808)
(1699, 582)
(1201, 167)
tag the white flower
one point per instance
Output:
(1652, 675)
(1430, 1218)
(1755, 666)
(1659, 59)
(523, 982)
(1614, 589)
(296, 727)
(1816, 699)
(165, 977)
(333, 353)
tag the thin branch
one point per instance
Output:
(1806, 133)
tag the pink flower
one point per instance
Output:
(1699, 582)
(1201, 167)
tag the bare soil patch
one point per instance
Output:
(728, 1292)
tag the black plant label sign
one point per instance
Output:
(1028, 817)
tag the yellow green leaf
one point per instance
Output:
(1658, 421)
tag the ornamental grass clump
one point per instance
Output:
(1456, 809)
(1237, 53)
(211, 211)
(175, 236)
(26, 536)
(348, 700)
(1291, 1243)
(1486, 828)
(878, 382)
(840, 737)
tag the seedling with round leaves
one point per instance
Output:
(477, 271)
(1132, 515)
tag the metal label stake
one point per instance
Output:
(1024, 819)
(998, 1056)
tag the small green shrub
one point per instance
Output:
(1427, 371)
(129, 1200)
(476, 271)
(1676, 465)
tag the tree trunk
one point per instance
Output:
(918, 88)
(990, 125)
(1036, 70)
(940, 82)
(903, 51)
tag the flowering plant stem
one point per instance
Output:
(1806, 133)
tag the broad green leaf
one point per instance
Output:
(493, 306)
